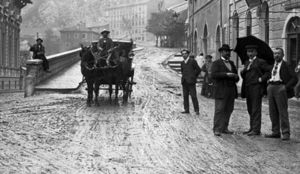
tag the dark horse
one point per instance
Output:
(97, 72)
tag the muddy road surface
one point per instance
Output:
(57, 134)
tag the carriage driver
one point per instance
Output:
(105, 43)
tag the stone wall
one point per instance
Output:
(57, 63)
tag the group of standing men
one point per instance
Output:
(259, 78)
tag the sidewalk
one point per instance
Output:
(69, 79)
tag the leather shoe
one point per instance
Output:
(285, 137)
(227, 131)
(252, 133)
(217, 133)
(197, 113)
(272, 136)
(185, 112)
(247, 132)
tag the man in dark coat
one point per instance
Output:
(280, 88)
(255, 75)
(105, 43)
(39, 53)
(190, 71)
(224, 75)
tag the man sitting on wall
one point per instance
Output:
(39, 53)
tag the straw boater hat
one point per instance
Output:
(185, 51)
(105, 31)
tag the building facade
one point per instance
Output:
(275, 22)
(71, 38)
(128, 19)
(10, 20)
(208, 23)
(215, 22)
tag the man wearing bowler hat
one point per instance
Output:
(39, 53)
(105, 43)
(190, 71)
(255, 74)
(224, 75)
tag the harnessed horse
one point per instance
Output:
(99, 70)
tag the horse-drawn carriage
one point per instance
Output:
(116, 68)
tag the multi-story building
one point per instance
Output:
(208, 23)
(275, 22)
(10, 20)
(214, 22)
(129, 18)
(72, 37)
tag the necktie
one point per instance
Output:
(249, 65)
(275, 69)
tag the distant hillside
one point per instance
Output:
(59, 14)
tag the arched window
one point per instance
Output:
(205, 34)
(248, 23)
(293, 37)
(218, 40)
(195, 43)
(264, 22)
(235, 34)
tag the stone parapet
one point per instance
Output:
(57, 63)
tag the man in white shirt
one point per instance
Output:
(280, 88)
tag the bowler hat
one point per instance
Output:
(105, 31)
(225, 47)
(185, 51)
(39, 39)
(251, 46)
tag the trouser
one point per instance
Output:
(45, 62)
(278, 108)
(254, 96)
(223, 110)
(90, 88)
(190, 89)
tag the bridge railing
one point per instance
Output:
(57, 63)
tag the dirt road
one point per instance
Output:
(57, 133)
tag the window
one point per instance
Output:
(248, 23)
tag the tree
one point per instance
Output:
(155, 25)
(165, 24)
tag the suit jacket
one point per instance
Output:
(258, 69)
(38, 51)
(289, 78)
(105, 44)
(190, 71)
(222, 82)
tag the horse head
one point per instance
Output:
(84, 50)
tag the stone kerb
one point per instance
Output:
(57, 63)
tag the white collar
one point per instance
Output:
(278, 63)
(187, 59)
(224, 59)
(251, 60)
